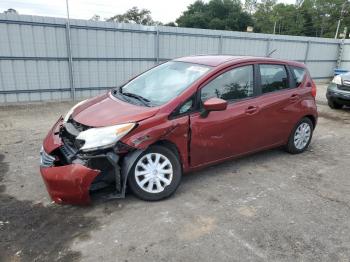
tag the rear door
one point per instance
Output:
(279, 102)
(223, 134)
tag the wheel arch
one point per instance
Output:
(170, 145)
(313, 120)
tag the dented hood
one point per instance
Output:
(106, 110)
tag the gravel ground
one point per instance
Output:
(270, 206)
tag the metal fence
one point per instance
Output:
(35, 62)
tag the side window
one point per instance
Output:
(273, 78)
(298, 74)
(237, 83)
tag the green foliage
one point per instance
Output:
(134, 15)
(216, 14)
(312, 18)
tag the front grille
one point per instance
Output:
(68, 153)
(344, 87)
(46, 160)
(346, 82)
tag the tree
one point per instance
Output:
(216, 14)
(170, 24)
(264, 20)
(11, 11)
(136, 16)
(250, 6)
(287, 19)
(311, 18)
(95, 18)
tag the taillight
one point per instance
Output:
(313, 89)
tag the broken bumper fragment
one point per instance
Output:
(68, 183)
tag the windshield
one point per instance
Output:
(164, 82)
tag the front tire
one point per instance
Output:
(334, 105)
(300, 138)
(156, 174)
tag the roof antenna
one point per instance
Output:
(269, 55)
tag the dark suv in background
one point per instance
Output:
(338, 91)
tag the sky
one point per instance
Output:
(163, 11)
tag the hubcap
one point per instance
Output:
(302, 135)
(153, 172)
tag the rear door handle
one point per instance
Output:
(251, 110)
(294, 97)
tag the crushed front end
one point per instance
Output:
(71, 174)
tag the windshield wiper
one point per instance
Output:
(144, 101)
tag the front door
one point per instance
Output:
(234, 131)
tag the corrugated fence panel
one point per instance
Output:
(323, 51)
(322, 59)
(34, 59)
(32, 41)
(288, 50)
(244, 47)
(319, 70)
(346, 56)
(172, 46)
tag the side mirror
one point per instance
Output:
(214, 104)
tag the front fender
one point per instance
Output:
(151, 131)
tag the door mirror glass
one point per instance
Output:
(215, 104)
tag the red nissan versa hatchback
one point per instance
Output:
(177, 117)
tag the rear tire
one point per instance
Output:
(300, 137)
(156, 174)
(334, 105)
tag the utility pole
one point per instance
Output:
(70, 58)
(340, 18)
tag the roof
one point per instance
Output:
(210, 60)
(216, 60)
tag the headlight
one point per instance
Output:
(337, 80)
(69, 113)
(103, 137)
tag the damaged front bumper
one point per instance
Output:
(70, 175)
(69, 184)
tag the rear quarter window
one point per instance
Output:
(274, 77)
(298, 74)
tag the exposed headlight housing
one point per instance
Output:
(337, 80)
(70, 112)
(103, 137)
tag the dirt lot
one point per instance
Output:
(270, 206)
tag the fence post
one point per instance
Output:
(267, 47)
(220, 44)
(307, 52)
(156, 45)
(341, 47)
(70, 61)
